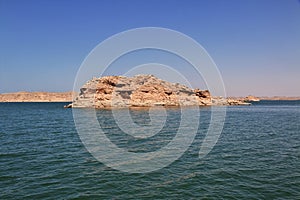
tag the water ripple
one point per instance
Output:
(256, 157)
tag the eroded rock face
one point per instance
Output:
(143, 91)
(139, 91)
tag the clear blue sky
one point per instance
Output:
(255, 43)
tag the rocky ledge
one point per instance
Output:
(142, 91)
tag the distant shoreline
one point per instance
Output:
(37, 97)
(280, 98)
(68, 96)
(274, 98)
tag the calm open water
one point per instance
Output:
(257, 156)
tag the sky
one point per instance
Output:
(254, 43)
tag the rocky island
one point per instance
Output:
(143, 91)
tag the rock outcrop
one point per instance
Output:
(251, 98)
(140, 91)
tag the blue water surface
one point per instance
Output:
(257, 156)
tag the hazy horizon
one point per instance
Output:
(255, 44)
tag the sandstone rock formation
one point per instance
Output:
(250, 98)
(140, 91)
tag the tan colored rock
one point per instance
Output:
(234, 102)
(251, 98)
(141, 91)
(138, 91)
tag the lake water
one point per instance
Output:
(257, 156)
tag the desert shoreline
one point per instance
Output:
(37, 97)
